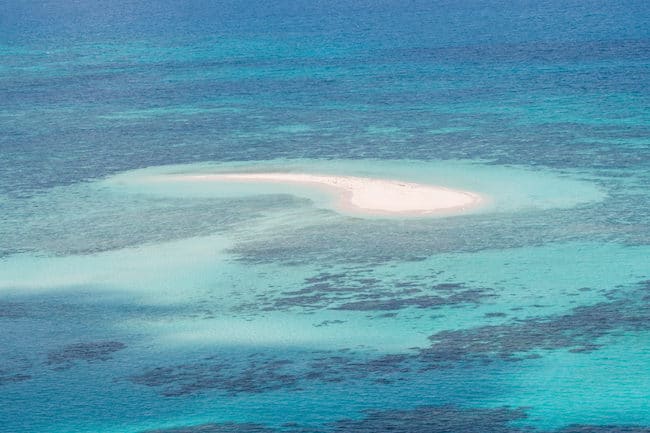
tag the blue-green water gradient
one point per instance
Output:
(131, 306)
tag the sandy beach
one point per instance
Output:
(364, 195)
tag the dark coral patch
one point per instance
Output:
(424, 419)
(575, 331)
(234, 376)
(428, 419)
(259, 372)
(67, 356)
(359, 290)
(493, 315)
(7, 378)
(328, 323)
(473, 296)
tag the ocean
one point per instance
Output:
(128, 306)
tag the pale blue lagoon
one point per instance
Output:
(130, 306)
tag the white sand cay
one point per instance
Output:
(365, 195)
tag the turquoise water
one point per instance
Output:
(133, 305)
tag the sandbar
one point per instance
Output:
(364, 195)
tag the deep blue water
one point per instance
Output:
(124, 309)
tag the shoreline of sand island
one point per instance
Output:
(361, 195)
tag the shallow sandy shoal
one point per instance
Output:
(364, 195)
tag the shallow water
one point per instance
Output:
(128, 305)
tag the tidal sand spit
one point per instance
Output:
(364, 195)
